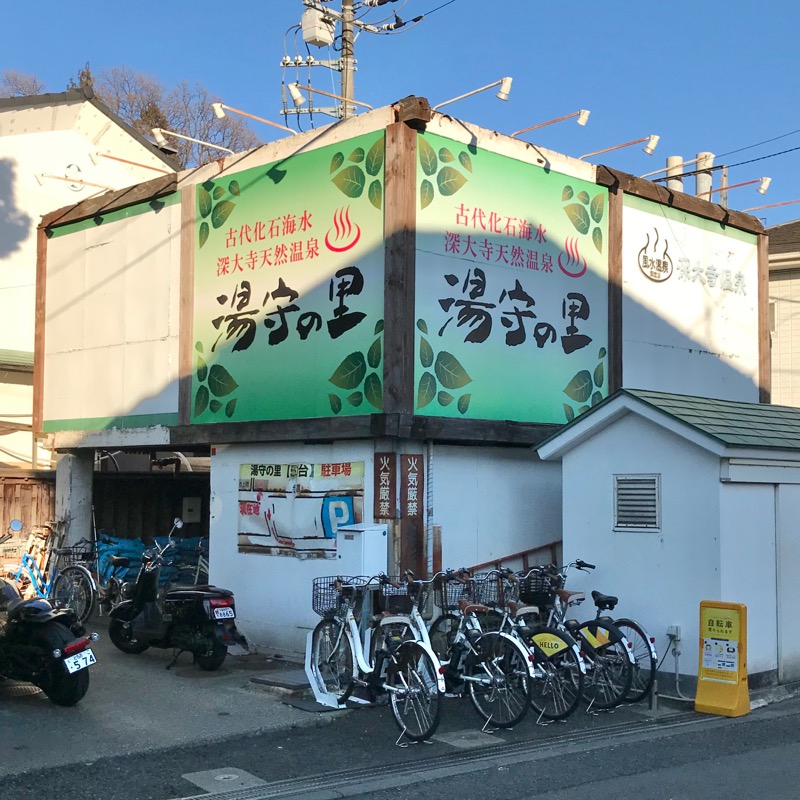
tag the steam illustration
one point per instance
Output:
(344, 233)
(570, 262)
(654, 261)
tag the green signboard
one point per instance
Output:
(511, 287)
(288, 289)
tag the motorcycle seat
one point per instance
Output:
(197, 593)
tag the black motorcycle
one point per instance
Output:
(44, 645)
(195, 619)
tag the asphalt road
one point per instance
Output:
(148, 733)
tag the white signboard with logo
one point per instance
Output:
(690, 304)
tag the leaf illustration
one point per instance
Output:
(230, 407)
(220, 381)
(596, 398)
(580, 387)
(463, 403)
(336, 162)
(221, 212)
(204, 231)
(445, 155)
(427, 157)
(336, 403)
(375, 158)
(373, 390)
(378, 326)
(215, 405)
(350, 372)
(569, 413)
(233, 188)
(597, 239)
(357, 156)
(599, 375)
(218, 193)
(426, 193)
(445, 398)
(276, 175)
(375, 194)
(202, 369)
(422, 325)
(355, 399)
(583, 197)
(425, 353)
(450, 372)
(207, 185)
(602, 353)
(198, 345)
(566, 194)
(351, 181)
(598, 207)
(465, 160)
(583, 410)
(426, 390)
(204, 201)
(374, 354)
(450, 180)
(201, 400)
(578, 216)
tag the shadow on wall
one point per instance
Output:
(15, 224)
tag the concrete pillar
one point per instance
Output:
(674, 172)
(74, 479)
(704, 177)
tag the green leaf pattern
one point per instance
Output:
(586, 387)
(353, 375)
(586, 214)
(448, 372)
(352, 179)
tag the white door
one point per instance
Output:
(787, 553)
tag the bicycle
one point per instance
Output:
(642, 646)
(191, 573)
(71, 586)
(559, 666)
(337, 660)
(494, 668)
(604, 648)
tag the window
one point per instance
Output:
(637, 503)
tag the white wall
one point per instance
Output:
(493, 502)
(490, 502)
(112, 318)
(784, 289)
(660, 577)
(747, 523)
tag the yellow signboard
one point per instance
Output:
(722, 669)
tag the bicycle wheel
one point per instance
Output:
(73, 589)
(416, 701)
(608, 665)
(389, 636)
(496, 672)
(557, 689)
(644, 659)
(332, 659)
(442, 633)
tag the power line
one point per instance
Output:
(728, 166)
(766, 141)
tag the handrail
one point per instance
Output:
(495, 563)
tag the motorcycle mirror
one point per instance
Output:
(178, 522)
(15, 525)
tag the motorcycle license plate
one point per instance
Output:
(80, 661)
(224, 613)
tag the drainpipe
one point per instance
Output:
(429, 543)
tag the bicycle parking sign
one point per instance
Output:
(722, 669)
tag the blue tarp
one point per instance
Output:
(184, 552)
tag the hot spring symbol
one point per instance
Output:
(344, 234)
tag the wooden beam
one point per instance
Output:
(186, 310)
(399, 265)
(40, 315)
(764, 336)
(615, 293)
(630, 184)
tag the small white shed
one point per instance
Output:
(681, 499)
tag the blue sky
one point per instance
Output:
(704, 76)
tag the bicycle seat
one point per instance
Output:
(468, 607)
(604, 602)
(119, 561)
(571, 597)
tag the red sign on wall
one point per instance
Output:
(385, 494)
(412, 480)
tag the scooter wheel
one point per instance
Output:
(212, 660)
(123, 637)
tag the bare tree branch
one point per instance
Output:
(18, 84)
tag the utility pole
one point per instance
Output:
(348, 60)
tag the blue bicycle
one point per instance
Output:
(71, 587)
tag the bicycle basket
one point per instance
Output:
(495, 590)
(329, 594)
(81, 553)
(396, 599)
(448, 593)
(539, 588)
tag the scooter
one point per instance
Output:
(44, 645)
(195, 619)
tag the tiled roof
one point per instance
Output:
(732, 423)
(784, 238)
